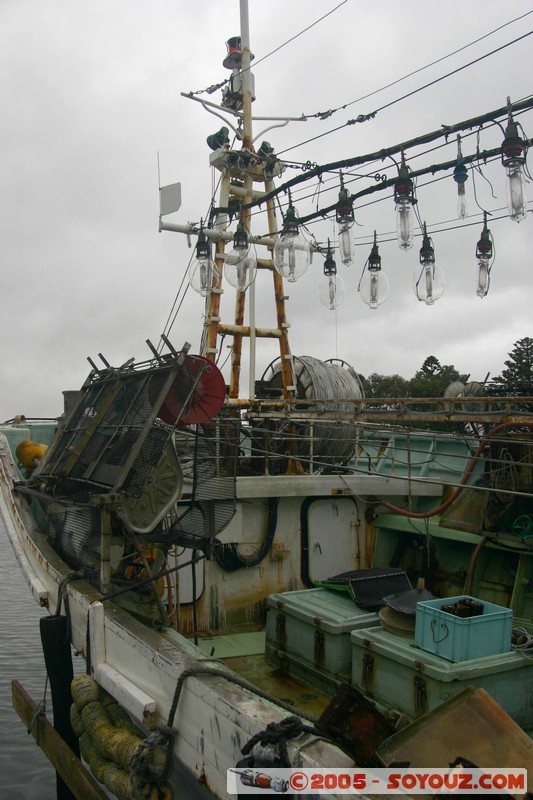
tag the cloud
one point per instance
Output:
(92, 94)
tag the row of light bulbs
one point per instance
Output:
(292, 254)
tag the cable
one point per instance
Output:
(444, 131)
(454, 72)
(324, 115)
(299, 34)
(372, 114)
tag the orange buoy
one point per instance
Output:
(29, 453)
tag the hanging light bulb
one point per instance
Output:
(292, 254)
(513, 160)
(460, 176)
(374, 284)
(345, 220)
(240, 266)
(484, 258)
(404, 199)
(429, 280)
(203, 272)
(331, 287)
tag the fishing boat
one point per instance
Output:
(283, 573)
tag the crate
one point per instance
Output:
(308, 634)
(462, 639)
(395, 674)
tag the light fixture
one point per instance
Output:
(513, 160)
(460, 176)
(404, 199)
(203, 272)
(218, 139)
(374, 284)
(429, 278)
(331, 287)
(345, 220)
(484, 259)
(291, 254)
(240, 266)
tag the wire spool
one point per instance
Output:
(334, 383)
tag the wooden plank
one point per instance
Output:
(138, 703)
(79, 780)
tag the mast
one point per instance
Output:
(237, 184)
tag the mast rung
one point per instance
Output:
(244, 330)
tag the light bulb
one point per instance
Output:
(484, 251)
(404, 200)
(291, 256)
(428, 278)
(404, 223)
(461, 200)
(428, 283)
(516, 190)
(345, 241)
(374, 284)
(374, 288)
(483, 277)
(344, 215)
(202, 275)
(331, 291)
(203, 272)
(240, 268)
(513, 160)
(460, 176)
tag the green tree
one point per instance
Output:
(432, 379)
(517, 378)
(385, 386)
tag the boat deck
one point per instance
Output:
(244, 654)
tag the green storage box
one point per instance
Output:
(396, 674)
(308, 634)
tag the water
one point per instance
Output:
(25, 772)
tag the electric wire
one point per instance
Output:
(293, 38)
(372, 114)
(326, 114)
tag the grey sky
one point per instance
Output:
(91, 92)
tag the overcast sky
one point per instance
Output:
(91, 93)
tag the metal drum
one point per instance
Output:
(325, 389)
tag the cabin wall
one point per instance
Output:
(315, 538)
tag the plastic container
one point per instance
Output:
(308, 634)
(462, 639)
(395, 674)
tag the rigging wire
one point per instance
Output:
(213, 88)
(324, 115)
(372, 114)
(312, 25)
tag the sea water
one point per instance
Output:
(25, 772)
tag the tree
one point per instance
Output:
(432, 379)
(385, 386)
(517, 378)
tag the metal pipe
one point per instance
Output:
(214, 235)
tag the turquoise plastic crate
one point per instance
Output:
(462, 639)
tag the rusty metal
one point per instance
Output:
(244, 330)
(213, 309)
(279, 294)
(421, 695)
(380, 410)
(319, 647)
(471, 725)
(356, 724)
(367, 675)
(281, 631)
(236, 350)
